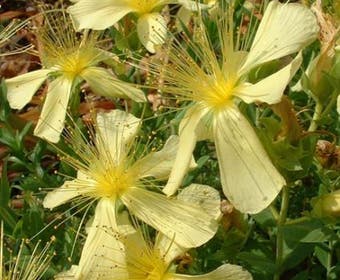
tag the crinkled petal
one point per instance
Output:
(206, 197)
(271, 88)
(103, 254)
(174, 218)
(52, 117)
(103, 83)
(151, 29)
(21, 89)
(224, 272)
(284, 29)
(98, 15)
(249, 179)
(116, 130)
(68, 191)
(187, 141)
(158, 164)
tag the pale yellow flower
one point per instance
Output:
(103, 251)
(151, 25)
(132, 257)
(146, 262)
(68, 60)
(216, 84)
(112, 173)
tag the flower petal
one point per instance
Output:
(98, 15)
(183, 18)
(271, 88)
(21, 89)
(187, 142)
(249, 179)
(67, 275)
(206, 197)
(65, 193)
(158, 164)
(284, 29)
(224, 272)
(139, 255)
(173, 218)
(103, 83)
(151, 29)
(103, 253)
(116, 130)
(168, 249)
(52, 117)
(195, 5)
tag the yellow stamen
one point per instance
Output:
(154, 266)
(112, 181)
(63, 49)
(217, 94)
(73, 64)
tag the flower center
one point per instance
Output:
(113, 181)
(74, 63)
(158, 268)
(217, 93)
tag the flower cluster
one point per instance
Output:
(125, 185)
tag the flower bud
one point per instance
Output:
(327, 205)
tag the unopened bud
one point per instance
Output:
(327, 205)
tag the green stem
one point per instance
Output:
(329, 258)
(330, 104)
(247, 235)
(317, 114)
(274, 212)
(279, 237)
(298, 220)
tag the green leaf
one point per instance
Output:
(33, 220)
(258, 262)
(303, 275)
(318, 235)
(321, 252)
(295, 233)
(265, 218)
(6, 213)
(297, 255)
(300, 240)
(293, 161)
(4, 106)
(5, 190)
(23, 133)
(8, 216)
(201, 161)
